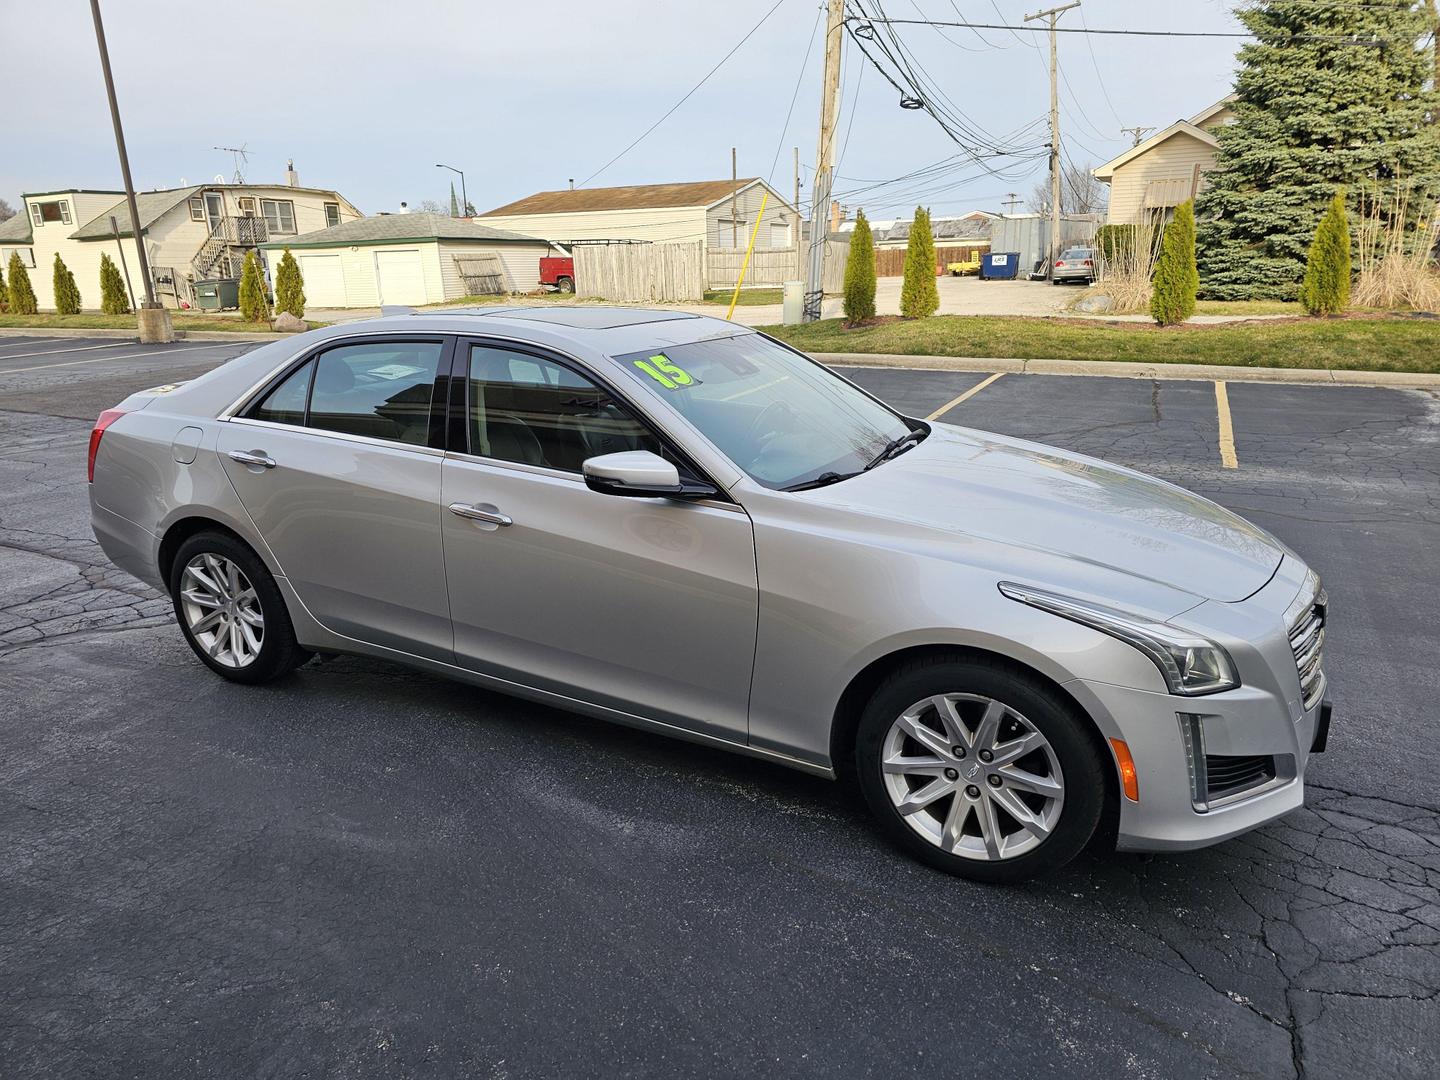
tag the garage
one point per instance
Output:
(324, 280)
(400, 277)
(410, 260)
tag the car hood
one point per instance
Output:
(1019, 493)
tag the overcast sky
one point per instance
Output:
(368, 96)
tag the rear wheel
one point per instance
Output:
(231, 611)
(566, 285)
(979, 769)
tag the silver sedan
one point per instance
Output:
(676, 523)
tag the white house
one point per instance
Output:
(411, 259)
(190, 233)
(1166, 169)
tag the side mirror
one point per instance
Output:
(639, 474)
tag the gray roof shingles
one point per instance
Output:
(153, 205)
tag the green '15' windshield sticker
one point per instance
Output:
(666, 372)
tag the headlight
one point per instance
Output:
(1190, 664)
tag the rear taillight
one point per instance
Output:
(1059, 263)
(1089, 262)
(103, 421)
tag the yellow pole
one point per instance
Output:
(746, 264)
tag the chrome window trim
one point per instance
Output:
(364, 440)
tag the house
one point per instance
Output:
(1166, 169)
(191, 233)
(412, 258)
(720, 212)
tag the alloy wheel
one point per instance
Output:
(973, 776)
(222, 610)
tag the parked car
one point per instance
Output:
(677, 523)
(558, 272)
(1074, 264)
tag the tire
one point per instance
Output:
(201, 593)
(565, 285)
(952, 822)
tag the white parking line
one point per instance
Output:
(78, 348)
(102, 359)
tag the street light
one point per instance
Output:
(464, 199)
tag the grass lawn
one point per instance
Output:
(748, 297)
(1365, 344)
(1248, 307)
(181, 320)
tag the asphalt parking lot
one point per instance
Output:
(366, 871)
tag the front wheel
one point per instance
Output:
(979, 769)
(231, 611)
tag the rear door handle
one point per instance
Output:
(253, 457)
(475, 513)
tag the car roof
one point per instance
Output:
(605, 329)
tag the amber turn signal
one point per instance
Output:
(1128, 779)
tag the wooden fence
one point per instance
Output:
(640, 273)
(772, 267)
(890, 262)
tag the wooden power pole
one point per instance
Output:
(824, 160)
(734, 206)
(799, 251)
(1052, 15)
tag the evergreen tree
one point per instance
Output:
(1173, 297)
(860, 273)
(1326, 289)
(22, 294)
(254, 305)
(4, 294)
(289, 286)
(919, 295)
(67, 293)
(1313, 113)
(113, 300)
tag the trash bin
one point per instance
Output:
(1000, 266)
(217, 294)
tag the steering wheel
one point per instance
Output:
(769, 420)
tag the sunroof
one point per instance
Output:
(591, 318)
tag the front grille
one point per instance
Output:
(1225, 775)
(1307, 640)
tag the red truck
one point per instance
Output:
(558, 272)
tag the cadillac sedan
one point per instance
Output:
(673, 522)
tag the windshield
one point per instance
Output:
(782, 418)
(1077, 253)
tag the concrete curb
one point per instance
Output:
(134, 335)
(1207, 372)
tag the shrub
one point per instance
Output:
(289, 286)
(1326, 288)
(113, 299)
(254, 304)
(860, 273)
(919, 296)
(1396, 265)
(4, 294)
(67, 293)
(22, 294)
(1176, 279)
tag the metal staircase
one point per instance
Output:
(223, 252)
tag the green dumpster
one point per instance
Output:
(217, 294)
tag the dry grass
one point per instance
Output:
(1395, 265)
(1126, 277)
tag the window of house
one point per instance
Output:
(732, 234)
(279, 215)
(197, 209)
(332, 214)
(27, 256)
(247, 205)
(779, 234)
(56, 210)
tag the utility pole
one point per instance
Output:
(1137, 133)
(824, 160)
(799, 253)
(154, 320)
(1052, 15)
(734, 212)
(1012, 200)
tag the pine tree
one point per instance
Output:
(113, 300)
(22, 294)
(254, 305)
(1173, 297)
(289, 286)
(4, 294)
(67, 293)
(919, 295)
(1326, 288)
(1313, 113)
(860, 273)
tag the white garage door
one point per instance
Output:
(324, 281)
(401, 277)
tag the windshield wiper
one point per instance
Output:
(896, 445)
(825, 479)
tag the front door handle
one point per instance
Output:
(475, 513)
(253, 457)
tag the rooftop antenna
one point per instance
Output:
(240, 157)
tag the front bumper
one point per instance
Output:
(1170, 738)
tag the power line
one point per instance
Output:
(763, 19)
(1344, 39)
(770, 179)
(1089, 44)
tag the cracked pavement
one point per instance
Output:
(363, 870)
